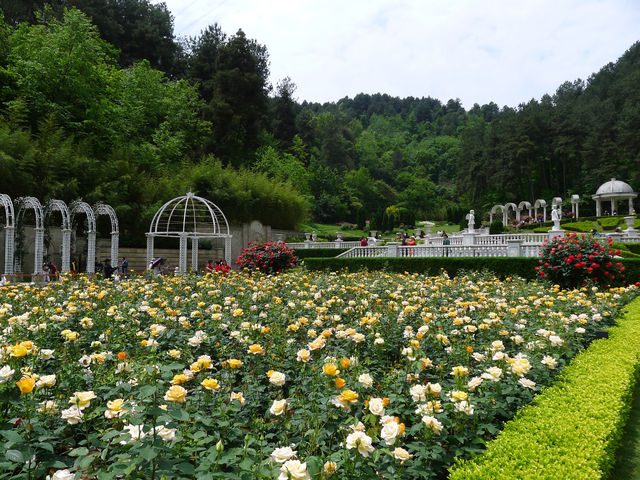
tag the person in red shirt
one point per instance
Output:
(222, 267)
(209, 268)
(364, 242)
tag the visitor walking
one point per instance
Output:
(124, 267)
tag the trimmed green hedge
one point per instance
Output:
(318, 252)
(573, 428)
(501, 266)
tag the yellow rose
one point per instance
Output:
(26, 384)
(330, 369)
(18, 350)
(210, 384)
(234, 363)
(339, 382)
(115, 405)
(255, 349)
(176, 394)
(178, 379)
(82, 399)
(348, 396)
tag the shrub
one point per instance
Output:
(267, 257)
(302, 253)
(579, 226)
(496, 227)
(573, 259)
(501, 266)
(574, 427)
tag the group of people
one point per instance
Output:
(108, 270)
(220, 266)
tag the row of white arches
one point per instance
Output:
(531, 210)
(14, 214)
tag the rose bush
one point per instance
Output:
(574, 259)
(267, 257)
(351, 375)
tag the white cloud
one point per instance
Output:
(479, 51)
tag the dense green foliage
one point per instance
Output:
(132, 105)
(574, 427)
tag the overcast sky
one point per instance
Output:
(506, 51)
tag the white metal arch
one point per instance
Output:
(494, 210)
(32, 203)
(104, 209)
(59, 206)
(540, 203)
(189, 217)
(9, 233)
(80, 207)
(521, 206)
(505, 213)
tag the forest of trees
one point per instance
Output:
(99, 99)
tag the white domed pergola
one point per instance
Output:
(189, 217)
(614, 191)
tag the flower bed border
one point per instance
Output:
(501, 266)
(572, 429)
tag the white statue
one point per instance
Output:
(555, 217)
(471, 217)
(314, 236)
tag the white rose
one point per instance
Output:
(277, 379)
(366, 380)
(72, 415)
(361, 441)
(376, 406)
(46, 381)
(390, 432)
(62, 475)
(283, 454)
(167, 434)
(5, 373)
(278, 407)
(294, 470)
(401, 454)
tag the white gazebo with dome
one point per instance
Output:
(189, 217)
(614, 191)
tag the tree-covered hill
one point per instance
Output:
(118, 109)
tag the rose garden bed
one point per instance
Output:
(311, 375)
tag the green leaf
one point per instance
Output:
(45, 446)
(14, 456)
(148, 453)
(147, 391)
(12, 436)
(77, 452)
(185, 468)
(84, 462)
(178, 413)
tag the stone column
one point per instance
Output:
(194, 254)
(115, 241)
(66, 250)
(182, 258)
(544, 214)
(149, 250)
(514, 248)
(39, 251)
(392, 249)
(227, 249)
(631, 206)
(9, 248)
(91, 252)
(469, 238)
(598, 208)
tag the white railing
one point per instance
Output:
(422, 251)
(336, 244)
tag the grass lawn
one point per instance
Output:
(325, 229)
(628, 455)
